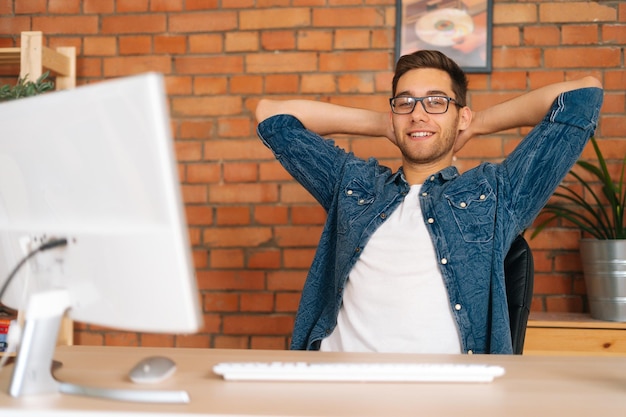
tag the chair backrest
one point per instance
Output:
(519, 276)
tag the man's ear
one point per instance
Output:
(465, 118)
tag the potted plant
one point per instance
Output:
(25, 88)
(600, 216)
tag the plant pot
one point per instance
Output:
(604, 269)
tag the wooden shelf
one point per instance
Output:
(34, 58)
(573, 334)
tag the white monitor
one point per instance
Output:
(96, 166)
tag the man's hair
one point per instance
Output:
(435, 60)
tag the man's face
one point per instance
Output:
(425, 138)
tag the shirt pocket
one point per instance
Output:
(356, 198)
(474, 212)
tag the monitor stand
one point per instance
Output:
(32, 374)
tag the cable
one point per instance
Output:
(15, 329)
(43, 247)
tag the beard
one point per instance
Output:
(429, 151)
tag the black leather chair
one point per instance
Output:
(519, 275)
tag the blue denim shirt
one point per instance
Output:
(472, 218)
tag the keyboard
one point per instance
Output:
(361, 372)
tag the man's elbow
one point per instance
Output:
(590, 81)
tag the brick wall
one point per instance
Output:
(253, 230)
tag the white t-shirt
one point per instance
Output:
(395, 299)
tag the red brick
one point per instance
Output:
(234, 150)
(203, 173)
(125, 6)
(241, 41)
(314, 215)
(281, 63)
(234, 127)
(580, 35)
(577, 11)
(287, 302)
(205, 43)
(98, 6)
(170, 44)
(506, 36)
(166, 5)
(230, 280)
(233, 215)
(257, 302)
(270, 215)
(209, 65)
(116, 24)
(227, 258)
(199, 215)
(78, 25)
(281, 84)
(100, 45)
(216, 21)
(278, 41)
(206, 106)
(64, 6)
(258, 324)
(194, 194)
(346, 17)
(270, 343)
(135, 45)
(286, 280)
(193, 341)
(315, 40)
(220, 302)
(157, 340)
(516, 58)
(264, 259)
(298, 258)
(30, 6)
(201, 4)
(258, 19)
(506, 13)
(123, 66)
(541, 35)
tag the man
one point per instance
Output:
(412, 261)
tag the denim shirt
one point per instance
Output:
(472, 218)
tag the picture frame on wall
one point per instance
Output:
(461, 29)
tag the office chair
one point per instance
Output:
(519, 276)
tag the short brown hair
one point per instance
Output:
(435, 60)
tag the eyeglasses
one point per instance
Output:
(431, 104)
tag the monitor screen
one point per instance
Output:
(95, 165)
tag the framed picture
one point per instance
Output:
(461, 29)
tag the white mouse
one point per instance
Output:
(152, 370)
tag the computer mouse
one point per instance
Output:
(152, 370)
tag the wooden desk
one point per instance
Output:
(533, 385)
(573, 334)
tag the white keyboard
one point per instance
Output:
(364, 372)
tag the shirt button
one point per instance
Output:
(470, 352)
(457, 307)
(361, 201)
(431, 220)
(424, 194)
(444, 261)
(383, 216)
(350, 192)
(357, 250)
(482, 197)
(432, 178)
(463, 204)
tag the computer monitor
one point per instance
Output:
(95, 166)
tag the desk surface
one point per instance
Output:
(572, 386)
